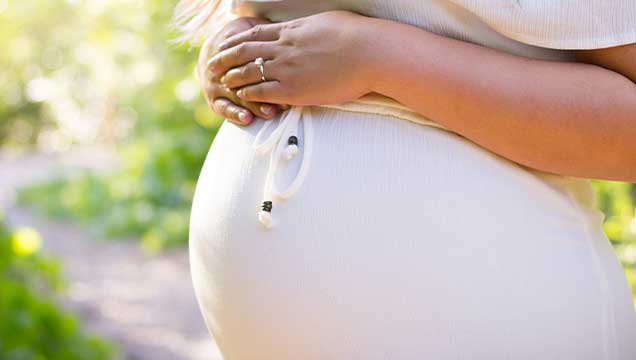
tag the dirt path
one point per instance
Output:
(144, 303)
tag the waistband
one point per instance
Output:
(377, 104)
(284, 144)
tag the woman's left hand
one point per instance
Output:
(319, 59)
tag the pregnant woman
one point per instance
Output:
(405, 179)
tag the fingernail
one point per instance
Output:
(243, 116)
(222, 45)
(222, 79)
(267, 109)
(240, 93)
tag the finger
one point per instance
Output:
(262, 110)
(239, 25)
(204, 54)
(239, 55)
(211, 44)
(232, 112)
(217, 91)
(248, 74)
(267, 92)
(261, 32)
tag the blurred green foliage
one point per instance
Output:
(105, 72)
(617, 200)
(33, 325)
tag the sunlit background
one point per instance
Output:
(102, 134)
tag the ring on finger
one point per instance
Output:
(260, 62)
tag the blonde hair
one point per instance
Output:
(198, 19)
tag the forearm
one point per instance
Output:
(565, 118)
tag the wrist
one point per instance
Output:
(373, 52)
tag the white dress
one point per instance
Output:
(400, 240)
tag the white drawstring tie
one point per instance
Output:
(288, 148)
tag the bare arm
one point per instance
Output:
(576, 119)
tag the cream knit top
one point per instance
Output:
(541, 29)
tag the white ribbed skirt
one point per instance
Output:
(403, 242)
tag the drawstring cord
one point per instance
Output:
(287, 129)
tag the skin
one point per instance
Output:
(219, 97)
(569, 118)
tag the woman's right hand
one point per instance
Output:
(221, 99)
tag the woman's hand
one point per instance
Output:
(319, 59)
(221, 99)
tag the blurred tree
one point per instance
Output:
(91, 72)
(86, 71)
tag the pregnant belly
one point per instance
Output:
(404, 241)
